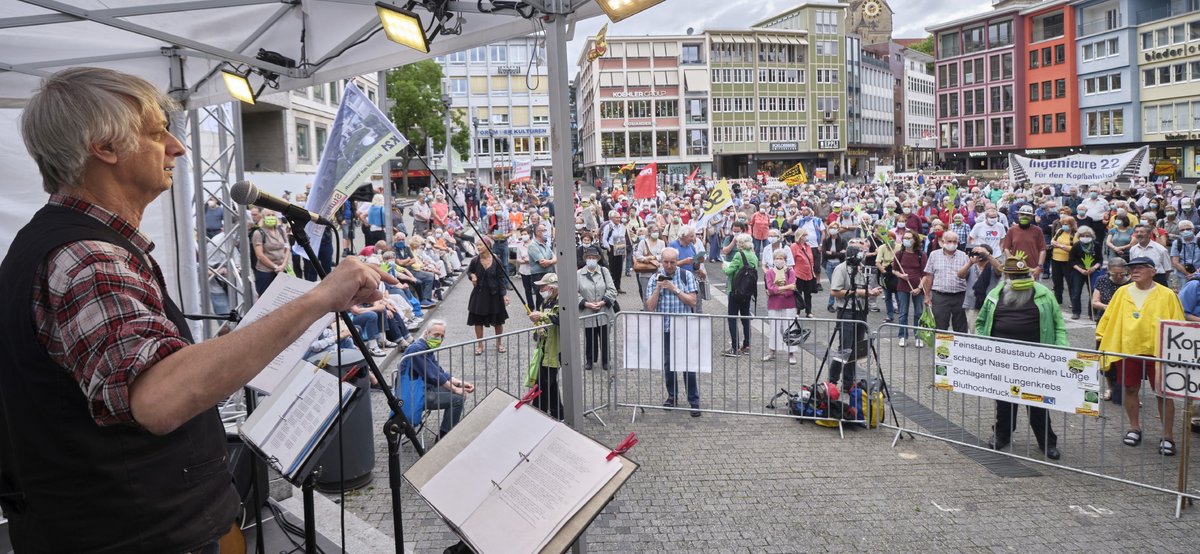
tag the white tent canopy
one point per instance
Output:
(39, 37)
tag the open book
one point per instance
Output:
(283, 289)
(287, 426)
(513, 487)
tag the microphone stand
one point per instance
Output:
(394, 426)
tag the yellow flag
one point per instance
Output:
(628, 167)
(601, 46)
(716, 200)
(795, 176)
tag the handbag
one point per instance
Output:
(644, 267)
(535, 364)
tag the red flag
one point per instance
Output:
(646, 184)
(692, 177)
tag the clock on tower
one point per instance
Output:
(871, 20)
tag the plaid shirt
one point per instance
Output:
(98, 312)
(960, 229)
(668, 302)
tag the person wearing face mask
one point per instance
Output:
(990, 231)
(214, 218)
(442, 390)
(1119, 236)
(1061, 244)
(1022, 309)
(760, 226)
(1085, 260)
(1116, 275)
(781, 305)
(548, 340)
(774, 243)
(1143, 246)
(646, 260)
(945, 284)
(1185, 253)
(1188, 211)
(615, 243)
(851, 284)
(271, 253)
(597, 295)
(422, 214)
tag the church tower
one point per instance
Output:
(871, 20)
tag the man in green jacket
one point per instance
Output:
(1022, 309)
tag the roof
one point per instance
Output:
(801, 6)
(341, 40)
(908, 42)
(1044, 6)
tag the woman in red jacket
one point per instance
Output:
(806, 278)
(909, 268)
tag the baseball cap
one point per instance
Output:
(1140, 260)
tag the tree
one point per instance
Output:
(418, 112)
(926, 47)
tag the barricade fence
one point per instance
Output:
(694, 346)
(959, 389)
(492, 369)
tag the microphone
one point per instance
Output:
(243, 192)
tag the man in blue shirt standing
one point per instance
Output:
(442, 392)
(691, 259)
(672, 290)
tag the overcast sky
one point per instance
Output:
(673, 17)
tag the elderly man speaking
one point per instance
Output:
(1022, 309)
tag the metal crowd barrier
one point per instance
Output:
(1088, 444)
(742, 385)
(502, 370)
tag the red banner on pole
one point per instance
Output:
(646, 184)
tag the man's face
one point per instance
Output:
(669, 264)
(1141, 235)
(1142, 274)
(149, 168)
(437, 332)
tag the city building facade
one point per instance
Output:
(502, 91)
(1106, 52)
(872, 97)
(980, 89)
(1051, 102)
(645, 100)
(1168, 54)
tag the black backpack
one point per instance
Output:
(745, 281)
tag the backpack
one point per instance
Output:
(866, 403)
(745, 281)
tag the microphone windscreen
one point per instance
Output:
(243, 192)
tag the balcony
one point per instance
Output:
(1100, 26)
(1176, 7)
(1047, 32)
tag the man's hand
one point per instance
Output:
(874, 292)
(468, 386)
(351, 283)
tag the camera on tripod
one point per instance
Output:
(854, 256)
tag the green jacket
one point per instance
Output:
(1050, 320)
(550, 339)
(735, 264)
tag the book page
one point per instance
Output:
(283, 289)
(529, 508)
(290, 423)
(458, 489)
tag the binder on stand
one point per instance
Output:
(510, 479)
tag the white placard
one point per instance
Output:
(1179, 341)
(1080, 169)
(691, 344)
(643, 341)
(1052, 378)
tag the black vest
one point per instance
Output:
(68, 485)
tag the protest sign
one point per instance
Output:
(1051, 378)
(1080, 169)
(1179, 341)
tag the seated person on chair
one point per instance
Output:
(442, 392)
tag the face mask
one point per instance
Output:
(1023, 222)
(1085, 240)
(1066, 228)
(950, 246)
(1081, 215)
(1170, 214)
(433, 343)
(591, 263)
(1187, 235)
(1092, 195)
(586, 243)
(907, 210)
(908, 243)
(1122, 223)
(1153, 206)
(545, 294)
(270, 221)
(1022, 284)
(772, 240)
(654, 235)
(958, 222)
(992, 220)
(779, 264)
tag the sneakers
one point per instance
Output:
(376, 351)
(384, 343)
(770, 356)
(920, 343)
(903, 342)
(791, 359)
(746, 349)
(731, 353)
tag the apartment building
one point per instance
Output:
(646, 100)
(1168, 54)
(1051, 105)
(872, 127)
(1106, 56)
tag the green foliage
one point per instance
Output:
(417, 109)
(925, 46)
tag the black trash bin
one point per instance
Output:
(357, 460)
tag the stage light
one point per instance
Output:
(620, 9)
(402, 27)
(239, 86)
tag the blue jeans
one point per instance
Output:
(905, 299)
(714, 246)
(689, 377)
(758, 246)
(452, 404)
(889, 303)
(829, 265)
(500, 249)
(368, 323)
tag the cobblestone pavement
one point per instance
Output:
(737, 483)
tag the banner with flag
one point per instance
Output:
(692, 177)
(361, 140)
(521, 171)
(628, 167)
(646, 184)
(795, 176)
(601, 47)
(716, 200)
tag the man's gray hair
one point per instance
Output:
(84, 106)
(744, 241)
(434, 323)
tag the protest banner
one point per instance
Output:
(1080, 169)
(714, 201)
(522, 171)
(1179, 341)
(361, 139)
(1051, 378)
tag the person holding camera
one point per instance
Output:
(851, 284)
(672, 290)
(945, 284)
(983, 275)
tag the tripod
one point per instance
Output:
(859, 316)
(392, 428)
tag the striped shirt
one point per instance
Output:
(944, 270)
(99, 312)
